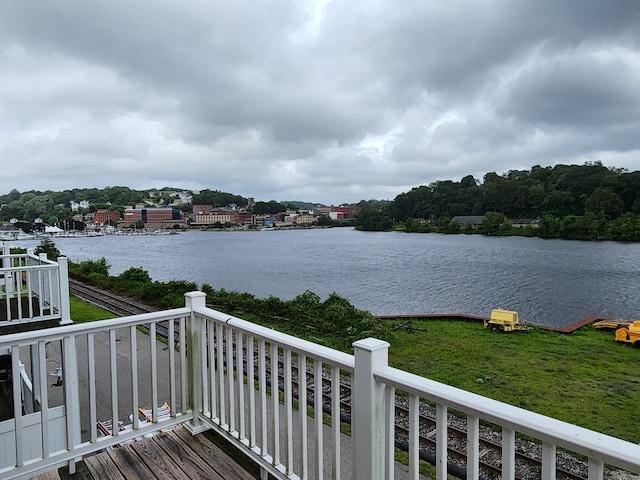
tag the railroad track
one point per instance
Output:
(528, 466)
(116, 304)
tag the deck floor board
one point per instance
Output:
(174, 454)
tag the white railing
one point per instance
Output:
(85, 378)
(598, 448)
(276, 431)
(226, 381)
(32, 288)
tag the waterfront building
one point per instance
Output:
(101, 216)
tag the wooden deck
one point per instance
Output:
(174, 454)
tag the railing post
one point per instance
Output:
(63, 288)
(196, 345)
(368, 410)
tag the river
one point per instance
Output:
(549, 282)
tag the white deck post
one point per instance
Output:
(63, 284)
(196, 341)
(368, 410)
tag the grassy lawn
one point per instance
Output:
(84, 312)
(584, 378)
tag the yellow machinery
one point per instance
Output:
(504, 320)
(611, 324)
(629, 333)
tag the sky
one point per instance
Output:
(329, 101)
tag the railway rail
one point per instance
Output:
(529, 466)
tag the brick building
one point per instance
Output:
(165, 217)
(100, 217)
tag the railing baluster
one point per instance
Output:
(441, 441)
(204, 361)
(221, 369)
(182, 321)
(473, 447)
(40, 293)
(288, 408)
(251, 371)
(390, 429)
(29, 294)
(318, 403)
(51, 297)
(91, 365)
(18, 290)
(508, 452)
(548, 461)
(154, 371)
(7, 298)
(240, 382)
(17, 403)
(230, 379)
(44, 398)
(114, 382)
(302, 405)
(262, 376)
(172, 367)
(335, 420)
(211, 352)
(275, 400)
(596, 469)
(133, 345)
(414, 432)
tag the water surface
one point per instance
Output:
(549, 282)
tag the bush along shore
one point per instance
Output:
(584, 378)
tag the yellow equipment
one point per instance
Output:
(611, 324)
(629, 334)
(504, 320)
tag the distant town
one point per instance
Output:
(172, 211)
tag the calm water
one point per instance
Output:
(549, 282)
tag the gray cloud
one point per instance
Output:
(328, 100)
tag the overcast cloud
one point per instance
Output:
(327, 100)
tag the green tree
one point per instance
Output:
(373, 220)
(325, 221)
(604, 201)
(88, 268)
(271, 207)
(495, 223)
(49, 247)
(135, 274)
(624, 228)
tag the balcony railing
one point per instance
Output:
(32, 288)
(248, 383)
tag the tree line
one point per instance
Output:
(588, 201)
(331, 322)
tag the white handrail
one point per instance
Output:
(607, 449)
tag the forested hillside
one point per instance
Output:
(586, 202)
(559, 191)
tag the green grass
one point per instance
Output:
(584, 378)
(83, 312)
